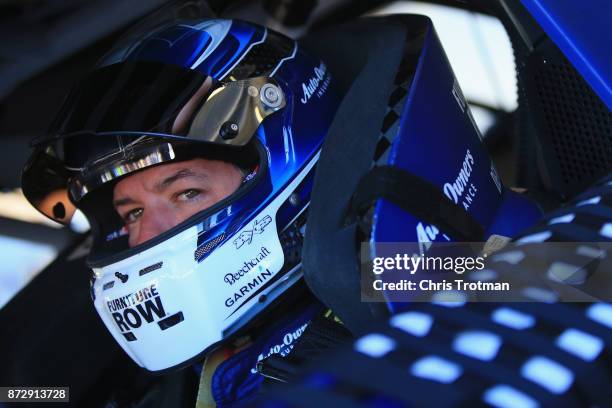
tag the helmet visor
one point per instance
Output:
(105, 128)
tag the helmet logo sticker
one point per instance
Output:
(253, 285)
(246, 267)
(317, 84)
(246, 236)
(141, 307)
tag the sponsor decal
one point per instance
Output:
(246, 236)
(458, 95)
(132, 311)
(116, 234)
(460, 99)
(250, 286)
(495, 178)
(462, 189)
(247, 266)
(284, 348)
(316, 85)
(288, 142)
(426, 234)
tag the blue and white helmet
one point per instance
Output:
(222, 87)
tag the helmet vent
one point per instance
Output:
(263, 58)
(205, 248)
(150, 268)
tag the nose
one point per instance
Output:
(154, 221)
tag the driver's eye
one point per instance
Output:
(132, 215)
(188, 194)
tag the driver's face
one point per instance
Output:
(154, 200)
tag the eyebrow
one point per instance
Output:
(123, 201)
(163, 185)
(180, 174)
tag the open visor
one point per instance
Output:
(123, 118)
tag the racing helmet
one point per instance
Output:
(224, 89)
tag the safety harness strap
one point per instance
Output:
(418, 197)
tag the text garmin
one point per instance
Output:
(131, 311)
(232, 278)
(250, 286)
(462, 188)
(316, 85)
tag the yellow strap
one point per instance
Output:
(212, 361)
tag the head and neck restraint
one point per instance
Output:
(404, 159)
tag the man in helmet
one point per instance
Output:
(191, 152)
